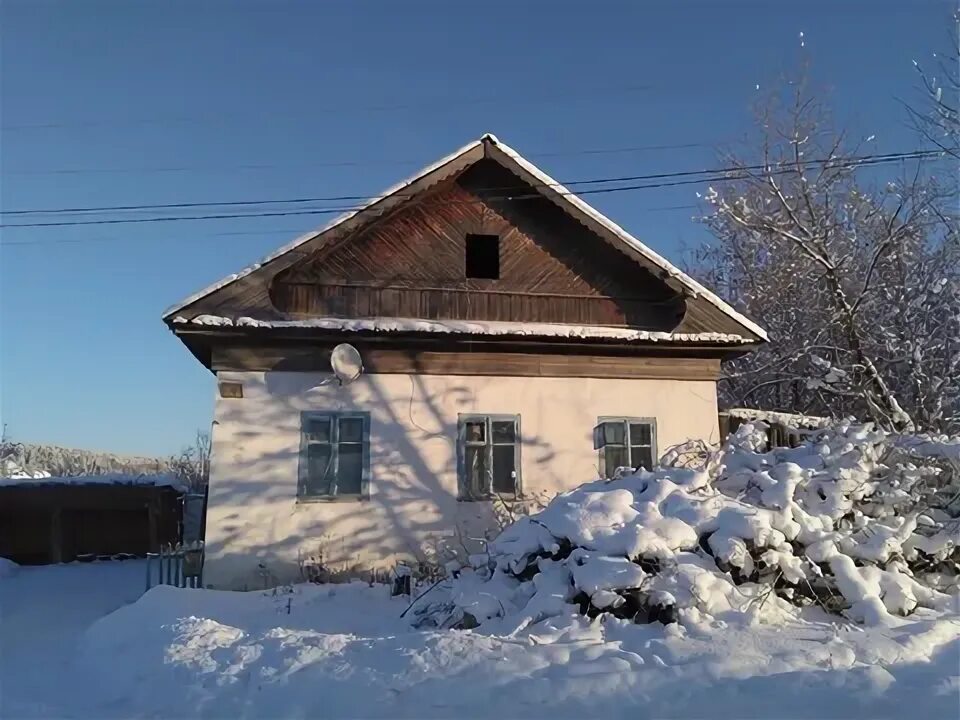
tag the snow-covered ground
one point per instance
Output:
(812, 582)
(77, 642)
(44, 611)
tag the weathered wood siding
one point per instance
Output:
(50, 523)
(517, 363)
(411, 263)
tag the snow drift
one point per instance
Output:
(312, 651)
(855, 520)
(7, 567)
(675, 593)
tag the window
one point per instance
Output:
(488, 456)
(334, 456)
(625, 442)
(483, 257)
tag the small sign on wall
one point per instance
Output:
(231, 389)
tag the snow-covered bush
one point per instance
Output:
(856, 520)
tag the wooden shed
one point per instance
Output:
(783, 429)
(53, 520)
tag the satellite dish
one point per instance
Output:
(346, 363)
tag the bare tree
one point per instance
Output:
(937, 117)
(857, 279)
(192, 465)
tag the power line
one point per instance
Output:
(117, 238)
(341, 198)
(856, 160)
(317, 211)
(731, 174)
(342, 163)
(334, 198)
(275, 231)
(327, 211)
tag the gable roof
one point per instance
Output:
(487, 146)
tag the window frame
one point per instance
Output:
(626, 420)
(486, 237)
(334, 417)
(464, 491)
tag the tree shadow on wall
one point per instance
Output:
(412, 509)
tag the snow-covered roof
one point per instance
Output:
(782, 418)
(109, 479)
(546, 185)
(466, 327)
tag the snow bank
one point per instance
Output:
(7, 567)
(43, 612)
(835, 522)
(709, 590)
(343, 651)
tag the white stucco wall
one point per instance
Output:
(255, 526)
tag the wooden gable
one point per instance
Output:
(402, 255)
(412, 263)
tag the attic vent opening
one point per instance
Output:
(483, 257)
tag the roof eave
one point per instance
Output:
(183, 330)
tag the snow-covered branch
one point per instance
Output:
(859, 285)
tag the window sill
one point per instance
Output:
(492, 498)
(332, 499)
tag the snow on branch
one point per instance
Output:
(857, 283)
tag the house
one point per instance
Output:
(515, 344)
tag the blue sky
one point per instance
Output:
(113, 103)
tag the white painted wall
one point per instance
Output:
(255, 525)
